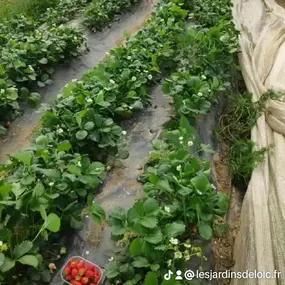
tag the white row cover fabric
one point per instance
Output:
(260, 244)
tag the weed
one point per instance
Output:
(239, 118)
(235, 126)
(243, 159)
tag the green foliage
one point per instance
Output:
(208, 13)
(192, 95)
(30, 57)
(235, 126)
(243, 158)
(101, 12)
(178, 196)
(239, 117)
(34, 8)
(44, 188)
(63, 11)
(117, 87)
(28, 54)
(206, 56)
(8, 97)
(43, 191)
(176, 181)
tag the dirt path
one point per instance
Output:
(21, 129)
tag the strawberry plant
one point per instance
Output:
(101, 12)
(178, 196)
(52, 178)
(8, 97)
(28, 55)
(192, 95)
(211, 12)
(85, 109)
(44, 188)
(177, 189)
(30, 59)
(63, 11)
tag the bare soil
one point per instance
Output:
(223, 247)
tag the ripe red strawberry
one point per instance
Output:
(67, 270)
(74, 272)
(82, 271)
(72, 282)
(84, 280)
(68, 278)
(92, 283)
(73, 264)
(77, 283)
(80, 264)
(97, 278)
(90, 267)
(89, 274)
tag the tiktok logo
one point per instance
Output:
(168, 275)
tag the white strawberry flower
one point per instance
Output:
(167, 209)
(178, 255)
(174, 241)
(179, 167)
(190, 143)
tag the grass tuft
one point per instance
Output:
(234, 129)
(33, 8)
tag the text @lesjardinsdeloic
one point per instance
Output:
(211, 275)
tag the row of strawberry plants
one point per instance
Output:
(241, 112)
(28, 54)
(117, 87)
(101, 12)
(63, 11)
(180, 205)
(157, 234)
(44, 187)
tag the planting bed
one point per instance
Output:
(154, 103)
(31, 46)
